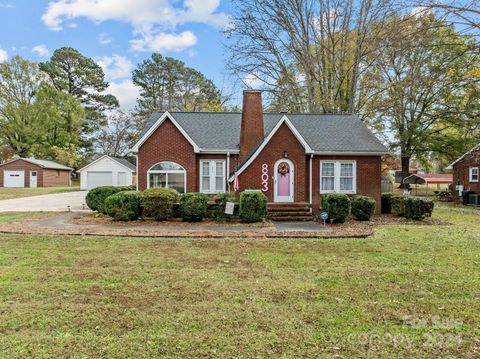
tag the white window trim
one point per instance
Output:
(168, 171)
(470, 174)
(336, 186)
(212, 189)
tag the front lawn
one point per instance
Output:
(409, 291)
(9, 193)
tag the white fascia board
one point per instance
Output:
(292, 128)
(157, 124)
(450, 166)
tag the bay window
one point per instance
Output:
(212, 176)
(338, 176)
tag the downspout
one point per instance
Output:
(310, 180)
(136, 174)
(227, 170)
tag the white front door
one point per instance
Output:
(14, 178)
(33, 179)
(284, 177)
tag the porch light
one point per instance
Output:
(285, 154)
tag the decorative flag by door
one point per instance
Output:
(235, 183)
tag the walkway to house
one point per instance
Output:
(77, 223)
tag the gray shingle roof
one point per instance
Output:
(322, 132)
(126, 163)
(47, 164)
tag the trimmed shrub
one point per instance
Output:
(221, 200)
(95, 198)
(398, 205)
(418, 208)
(123, 206)
(253, 206)
(387, 201)
(337, 205)
(443, 195)
(193, 206)
(363, 207)
(158, 203)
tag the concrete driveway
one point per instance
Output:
(58, 202)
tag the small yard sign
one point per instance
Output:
(324, 217)
(229, 206)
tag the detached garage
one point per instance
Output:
(31, 172)
(107, 171)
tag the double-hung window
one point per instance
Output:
(338, 176)
(474, 174)
(212, 176)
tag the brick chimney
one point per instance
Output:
(251, 132)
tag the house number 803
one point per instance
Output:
(264, 177)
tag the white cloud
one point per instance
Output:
(6, 5)
(152, 20)
(252, 81)
(126, 93)
(41, 50)
(3, 56)
(104, 38)
(115, 67)
(164, 42)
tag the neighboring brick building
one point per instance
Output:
(466, 170)
(30, 172)
(290, 157)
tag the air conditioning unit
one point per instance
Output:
(474, 200)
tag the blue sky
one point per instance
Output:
(118, 34)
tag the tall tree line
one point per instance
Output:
(408, 72)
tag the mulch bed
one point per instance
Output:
(92, 218)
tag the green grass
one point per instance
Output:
(409, 291)
(9, 193)
(10, 217)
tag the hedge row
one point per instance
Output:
(415, 208)
(121, 203)
(340, 206)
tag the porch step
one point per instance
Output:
(289, 212)
(292, 218)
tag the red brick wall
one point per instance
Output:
(54, 178)
(461, 172)
(167, 144)
(45, 177)
(369, 177)
(283, 140)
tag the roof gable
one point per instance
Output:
(147, 132)
(473, 149)
(120, 161)
(259, 149)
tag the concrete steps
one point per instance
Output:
(291, 212)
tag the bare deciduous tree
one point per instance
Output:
(116, 138)
(309, 53)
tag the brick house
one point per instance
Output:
(289, 157)
(31, 172)
(466, 170)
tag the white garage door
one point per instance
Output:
(97, 179)
(14, 178)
